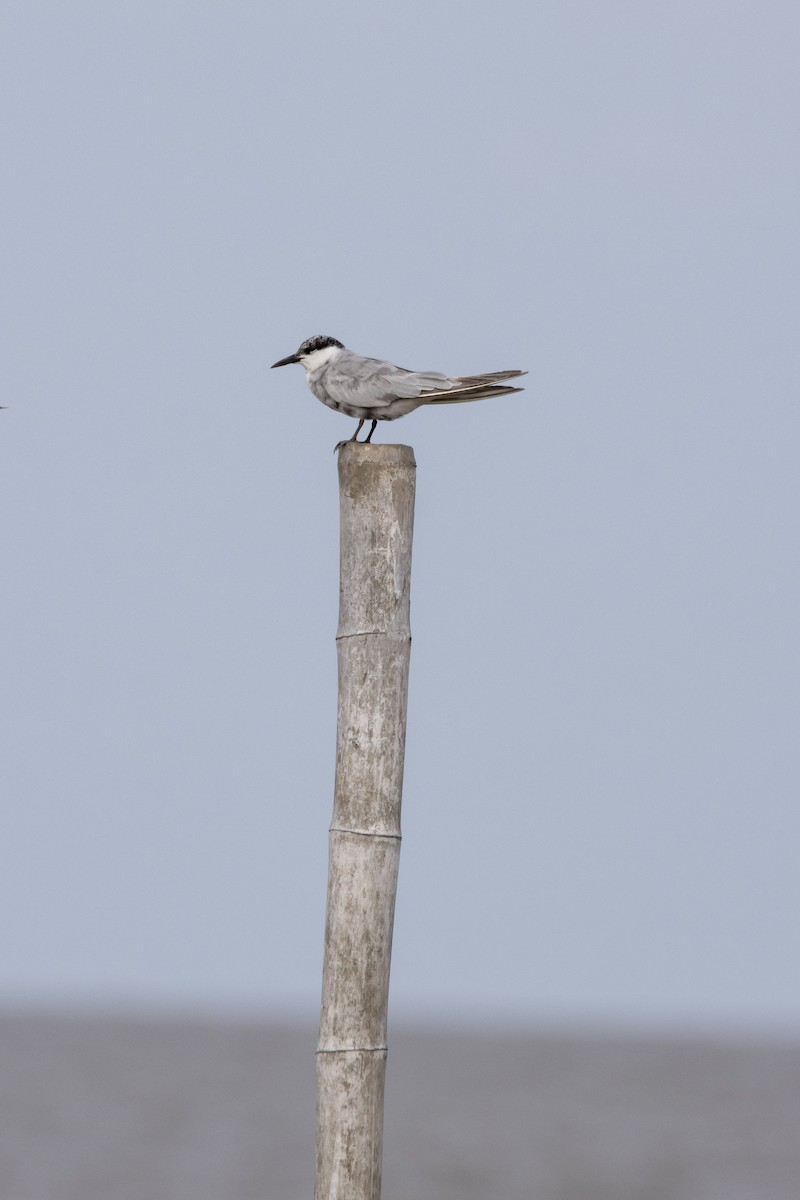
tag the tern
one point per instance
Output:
(371, 389)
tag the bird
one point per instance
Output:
(371, 389)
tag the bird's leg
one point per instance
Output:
(354, 438)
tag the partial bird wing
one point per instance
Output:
(372, 383)
(475, 387)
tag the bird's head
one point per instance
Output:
(313, 353)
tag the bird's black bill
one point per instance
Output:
(284, 362)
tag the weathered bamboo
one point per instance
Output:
(376, 492)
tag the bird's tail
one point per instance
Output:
(476, 387)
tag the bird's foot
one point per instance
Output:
(364, 441)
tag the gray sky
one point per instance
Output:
(601, 804)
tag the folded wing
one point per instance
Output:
(370, 383)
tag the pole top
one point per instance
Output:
(384, 454)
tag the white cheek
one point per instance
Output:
(318, 358)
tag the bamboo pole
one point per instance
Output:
(376, 493)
